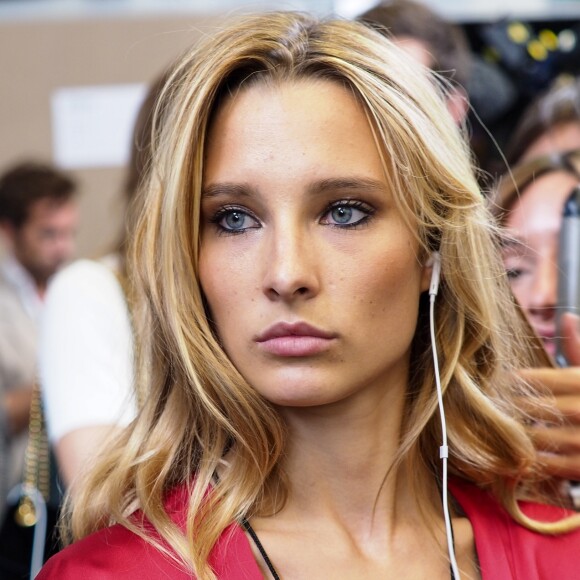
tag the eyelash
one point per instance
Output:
(355, 204)
(513, 273)
(226, 210)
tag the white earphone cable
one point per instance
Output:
(444, 449)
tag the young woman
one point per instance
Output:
(530, 205)
(304, 177)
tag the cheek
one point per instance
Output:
(37, 251)
(25, 239)
(222, 282)
(396, 266)
(387, 307)
(209, 279)
(388, 285)
(520, 289)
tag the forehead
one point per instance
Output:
(311, 99)
(303, 126)
(561, 137)
(47, 210)
(540, 206)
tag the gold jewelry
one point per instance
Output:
(36, 463)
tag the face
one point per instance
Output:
(310, 274)
(47, 239)
(532, 260)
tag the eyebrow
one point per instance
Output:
(229, 189)
(315, 188)
(346, 184)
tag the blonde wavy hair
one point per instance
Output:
(200, 415)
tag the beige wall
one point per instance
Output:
(38, 57)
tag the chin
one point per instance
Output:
(298, 400)
(300, 396)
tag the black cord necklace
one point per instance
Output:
(246, 525)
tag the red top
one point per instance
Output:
(506, 550)
(115, 552)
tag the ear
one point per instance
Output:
(431, 274)
(458, 104)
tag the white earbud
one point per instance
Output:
(435, 263)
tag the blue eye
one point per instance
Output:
(234, 220)
(347, 214)
(341, 214)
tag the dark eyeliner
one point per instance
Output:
(352, 203)
(222, 212)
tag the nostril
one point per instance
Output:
(278, 293)
(273, 293)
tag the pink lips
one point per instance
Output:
(294, 340)
(548, 337)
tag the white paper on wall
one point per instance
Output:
(92, 126)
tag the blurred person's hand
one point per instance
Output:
(558, 443)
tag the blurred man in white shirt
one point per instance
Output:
(38, 222)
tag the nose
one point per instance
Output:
(290, 266)
(544, 290)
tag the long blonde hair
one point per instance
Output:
(199, 407)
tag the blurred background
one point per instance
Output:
(74, 73)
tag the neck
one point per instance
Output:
(340, 458)
(350, 507)
(40, 287)
(40, 283)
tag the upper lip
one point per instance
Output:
(293, 329)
